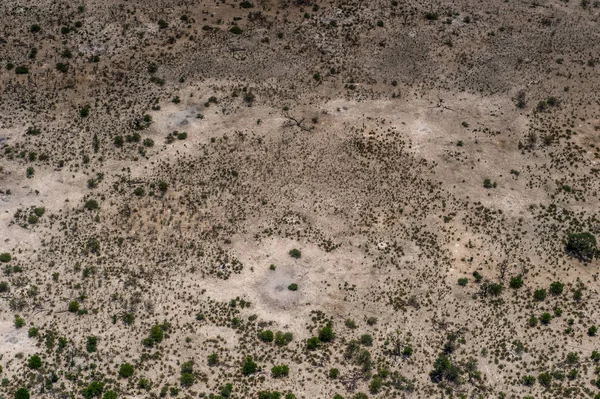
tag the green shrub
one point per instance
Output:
(93, 390)
(93, 245)
(516, 282)
(109, 395)
(236, 30)
(582, 246)
(213, 359)
(21, 70)
(282, 339)
(156, 333)
(463, 281)
(495, 289)
(266, 336)
(187, 379)
(528, 380)
(84, 112)
(295, 253)
(34, 362)
(19, 321)
(91, 204)
(444, 369)
(556, 288)
(280, 371)
(73, 306)
(351, 324)
(249, 366)
(33, 332)
(118, 141)
(326, 334)
(293, 287)
(592, 331)
(22, 393)
(61, 67)
(546, 318)
(126, 370)
(366, 339)
(540, 294)
(91, 344)
(5, 257)
(313, 343)
(545, 379)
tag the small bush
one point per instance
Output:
(266, 336)
(21, 70)
(293, 287)
(19, 322)
(582, 246)
(91, 204)
(34, 362)
(280, 371)
(5, 257)
(295, 253)
(546, 318)
(236, 30)
(313, 343)
(556, 288)
(22, 393)
(91, 344)
(282, 339)
(126, 370)
(326, 334)
(366, 339)
(540, 295)
(516, 282)
(249, 366)
(463, 281)
(73, 306)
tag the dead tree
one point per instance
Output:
(293, 121)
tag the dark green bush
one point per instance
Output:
(516, 282)
(34, 362)
(126, 370)
(266, 336)
(280, 371)
(582, 246)
(249, 366)
(73, 306)
(295, 253)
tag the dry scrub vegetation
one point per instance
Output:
(281, 199)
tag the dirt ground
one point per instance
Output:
(431, 163)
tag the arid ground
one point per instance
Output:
(281, 199)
